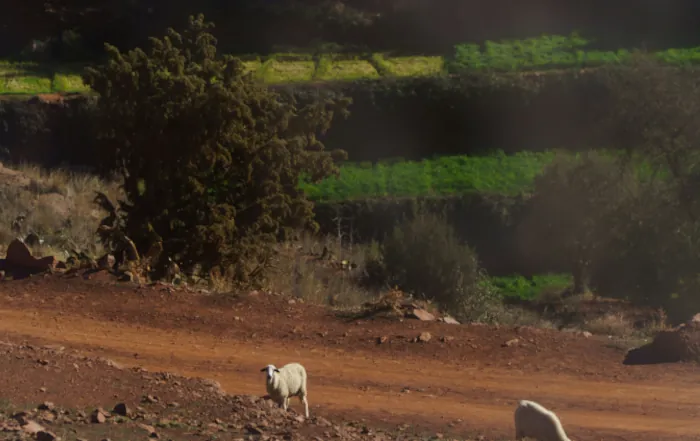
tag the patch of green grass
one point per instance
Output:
(530, 288)
(551, 52)
(442, 176)
(23, 78)
(252, 65)
(289, 71)
(415, 66)
(63, 82)
(347, 70)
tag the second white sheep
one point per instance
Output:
(285, 382)
(532, 420)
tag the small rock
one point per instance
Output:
(98, 416)
(422, 314)
(382, 339)
(150, 429)
(510, 343)
(127, 276)
(322, 422)
(106, 262)
(44, 435)
(32, 427)
(46, 405)
(48, 416)
(587, 334)
(449, 320)
(121, 409)
(253, 430)
(424, 337)
(114, 364)
(21, 417)
(149, 399)
(447, 338)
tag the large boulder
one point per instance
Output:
(679, 344)
(20, 263)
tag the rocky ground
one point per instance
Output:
(77, 345)
(146, 405)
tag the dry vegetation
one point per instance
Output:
(58, 207)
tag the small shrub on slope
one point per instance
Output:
(424, 257)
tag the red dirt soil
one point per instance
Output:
(467, 384)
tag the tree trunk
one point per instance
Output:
(582, 277)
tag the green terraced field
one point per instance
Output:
(542, 53)
(33, 78)
(497, 173)
(550, 52)
(448, 175)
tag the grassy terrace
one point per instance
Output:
(542, 53)
(33, 78)
(447, 175)
(496, 173)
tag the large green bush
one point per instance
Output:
(211, 160)
(423, 256)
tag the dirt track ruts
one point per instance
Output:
(641, 402)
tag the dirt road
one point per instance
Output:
(436, 386)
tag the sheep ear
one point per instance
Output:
(263, 369)
(277, 370)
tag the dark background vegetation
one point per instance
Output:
(79, 27)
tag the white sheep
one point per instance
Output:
(534, 421)
(285, 382)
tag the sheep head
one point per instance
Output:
(270, 369)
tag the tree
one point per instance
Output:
(211, 159)
(569, 217)
(655, 114)
(655, 117)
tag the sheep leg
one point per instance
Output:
(285, 403)
(305, 402)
